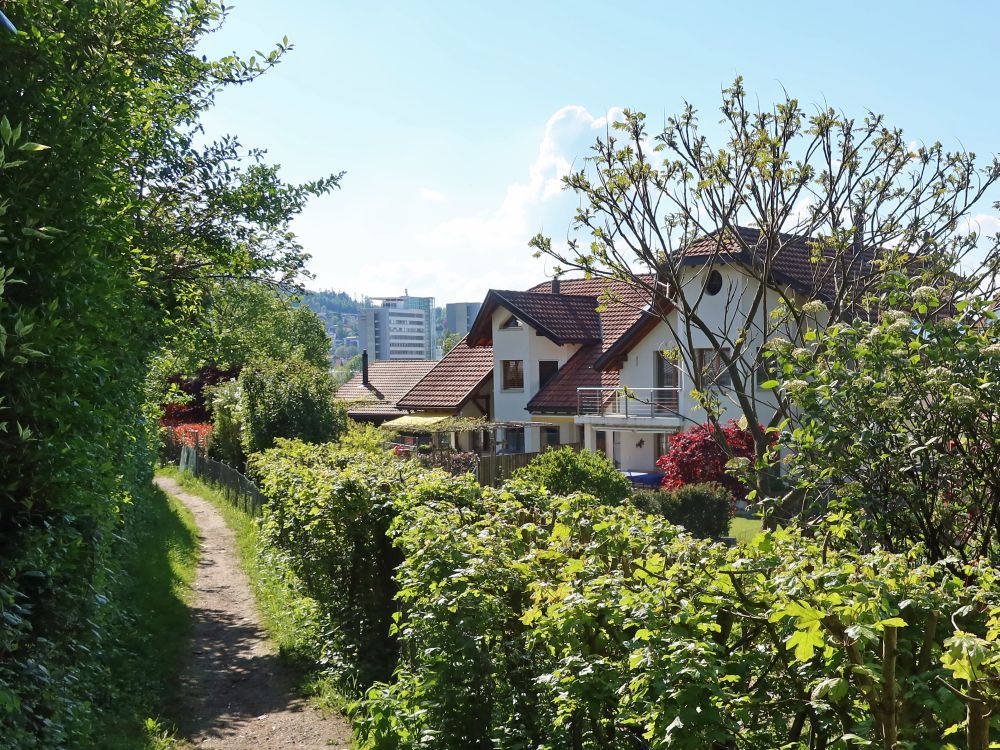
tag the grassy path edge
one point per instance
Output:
(287, 614)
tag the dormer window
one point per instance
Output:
(511, 322)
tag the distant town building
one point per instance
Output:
(460, 315)
(397, 327)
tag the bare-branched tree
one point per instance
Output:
(817, 210)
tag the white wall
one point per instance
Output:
(525, 345)
(639, 369)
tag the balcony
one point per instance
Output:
(629, 406)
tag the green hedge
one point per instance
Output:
(564, 471)
(287, 399)
(705, 510)
(516, 618)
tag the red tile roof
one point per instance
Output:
(791, 263)
(389, 380)
(563, 318)
(452, 381)
(618, 316)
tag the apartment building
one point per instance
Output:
(397, 328)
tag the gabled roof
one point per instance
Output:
(453, 380)
(617, 316)
(388, 381)
(791, 264)
(559, 396)
(614, 355)
(563, 318)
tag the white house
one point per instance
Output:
(580, 361)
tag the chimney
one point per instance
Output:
(555, 284)
(364, 368)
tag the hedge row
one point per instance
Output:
(520, 619)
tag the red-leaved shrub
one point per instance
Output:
(697, 456)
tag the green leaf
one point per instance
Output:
(769, 384)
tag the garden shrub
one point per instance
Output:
(519, 618)
(564, 471)
(700, 454)
(226, 439)
(288, 399)
(704, 510)
(555, 623)
(897, 424)
(328, 513)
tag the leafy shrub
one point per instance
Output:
(288, 399)
(897, 427)
(700, 455)
(362, 437)
(554, 623)
(705, 510)
(518, 618)
(226, 439)
(564, 471)
(329, 511)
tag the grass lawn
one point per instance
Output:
(158, 571)
(744, 529)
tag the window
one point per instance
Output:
(511, 322)
(546, 371)
(712, 369)
(662, 444)
(550, 437)
(513, 439)
(666, 401)
(714, 283)
(513, 374)
(602, 442)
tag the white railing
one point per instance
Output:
(629, 402)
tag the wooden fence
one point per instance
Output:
(495, 470)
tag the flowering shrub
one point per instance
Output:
(700, 454)
(898, 420)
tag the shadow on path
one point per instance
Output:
(236, 694)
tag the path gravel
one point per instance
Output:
(237, 694)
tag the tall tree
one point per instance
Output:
(112, 232)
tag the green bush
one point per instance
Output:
(554, 623)
(288, 399)
(705, 509)
(328, 514)
(565, 471)
(518, 618)
(225, 441)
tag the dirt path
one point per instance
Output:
(238, 696)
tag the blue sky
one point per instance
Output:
(454, 120)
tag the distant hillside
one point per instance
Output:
(331, 307)
(330, 302)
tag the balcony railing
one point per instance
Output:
(628, 402)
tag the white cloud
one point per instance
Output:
(986, 225)
(568, 134)
(461, 257)
(432, 195)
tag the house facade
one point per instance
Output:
(588, 362)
